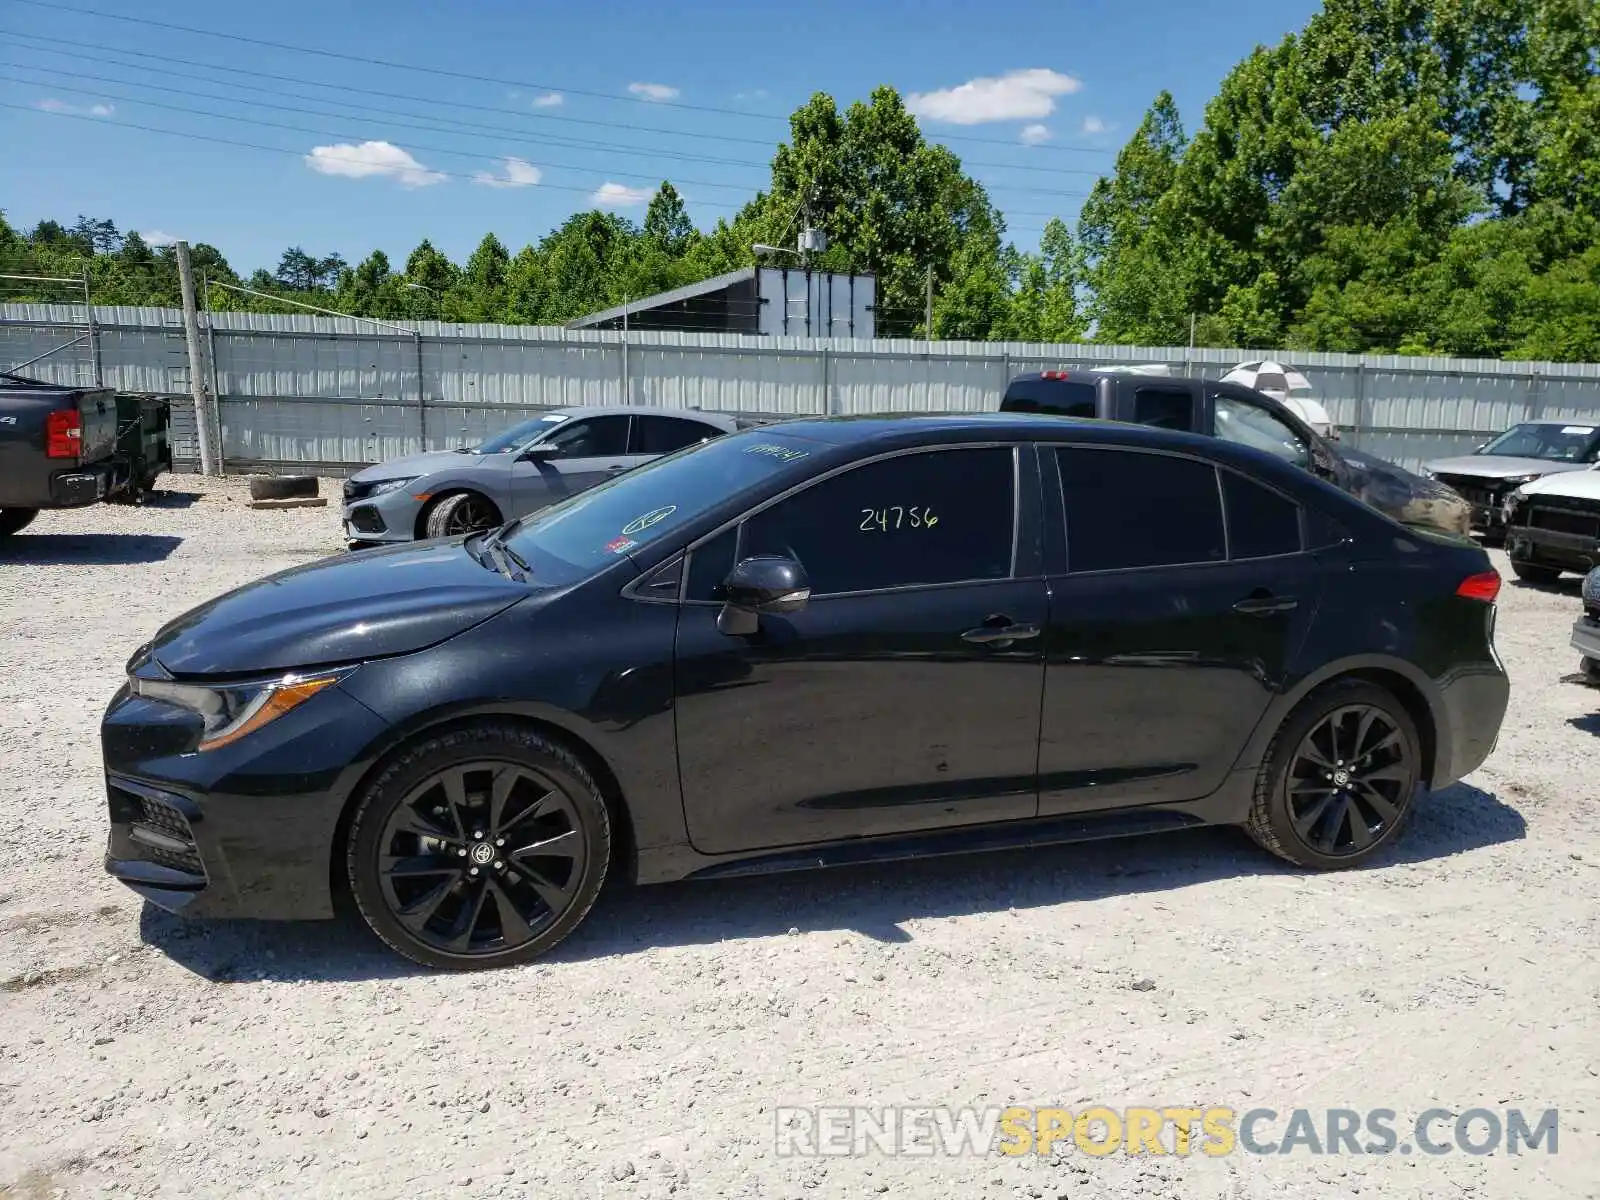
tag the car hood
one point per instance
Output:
(364, 605)
(1499, 466)
(1585, 484)
(414, 466)
(1403, 495)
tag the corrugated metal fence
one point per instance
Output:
(320, 392)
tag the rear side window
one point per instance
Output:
(940, 516)
(1165, 408)
(1130, 509)
(1261, 523)
(1058, 397)
(663, 435)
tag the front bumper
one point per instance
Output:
(242, 831)
(383, 519)
(1549, 547)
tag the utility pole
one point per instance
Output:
(197, 376)
(928, 315)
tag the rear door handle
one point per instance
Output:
(1262, 603)
(999, 628)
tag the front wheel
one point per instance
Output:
(1533, 573)
(1339, 779)
(465, 512)
(481, 847)
(14, 520)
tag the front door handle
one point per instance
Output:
(1262, 603)
(999, 628)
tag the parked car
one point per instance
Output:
(825, 642)
(1525, 452)
(1236, 413)
(524, 468)
(1553, 525)
(66, 447)
(1586, 630)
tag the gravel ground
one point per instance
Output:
(143, 1055)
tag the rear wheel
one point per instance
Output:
(465, 512)
(14, 520)
(1339, 779)
(1533, 573)
(480, 847)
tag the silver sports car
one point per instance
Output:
(447, 492)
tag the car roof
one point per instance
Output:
(626, 410)
(897, 429)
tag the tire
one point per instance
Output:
(513, 905)
(1289, 823)
(464, 512)
(1534, 573)
(14, 520)
(1589, 668)
(283, 487)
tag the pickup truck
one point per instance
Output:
(1240, 414)
(66, 447)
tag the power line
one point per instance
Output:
(444, 73)
(222, 141)
(78, 46)
(430, 127)
(475, 155)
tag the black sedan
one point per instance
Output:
(826, 642)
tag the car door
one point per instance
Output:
(1176, 610)
(588, 451)
(653, 435)
(905, 696)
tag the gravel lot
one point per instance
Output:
(143, 1055)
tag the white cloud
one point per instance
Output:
(77, 110)
(157, 237)
(618, 195)
(1034, 135)
(519, 173)
(1024, 95)
(658, 92)
(754, 94)
(382, 159)
(548, 100)
(1093, 125)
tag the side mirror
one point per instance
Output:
(765, 584)
(538, 451)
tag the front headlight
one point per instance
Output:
(1516, 481)
(384, 486)
(231, 711)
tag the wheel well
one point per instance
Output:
(1416, 706)
(622, 836)
(420, 532)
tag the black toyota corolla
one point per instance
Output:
(817, 643)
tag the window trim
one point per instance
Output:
(1016, 522)
(1216, 469)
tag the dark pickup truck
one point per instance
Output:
(65, 447)
(1243, 415)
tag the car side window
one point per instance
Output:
(1249, 424)
(936, 516)
(1128, 508)
(1261, 523)
(663, 435)
(593, 437)
(1165, 408)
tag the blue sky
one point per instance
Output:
(562, 105)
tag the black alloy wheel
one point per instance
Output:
(1340, 778)
(482, 847)
(465, 512)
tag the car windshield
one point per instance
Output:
(1560, 443)
(520, 435)
(577, 536)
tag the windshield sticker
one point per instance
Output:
(655, 517)
(897, 516)
(1584, 430)
(781, 453)
(620, 545)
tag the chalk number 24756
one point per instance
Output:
(881, 520)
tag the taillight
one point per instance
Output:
(1484, 587)
(1053, 374)
(63, 433)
